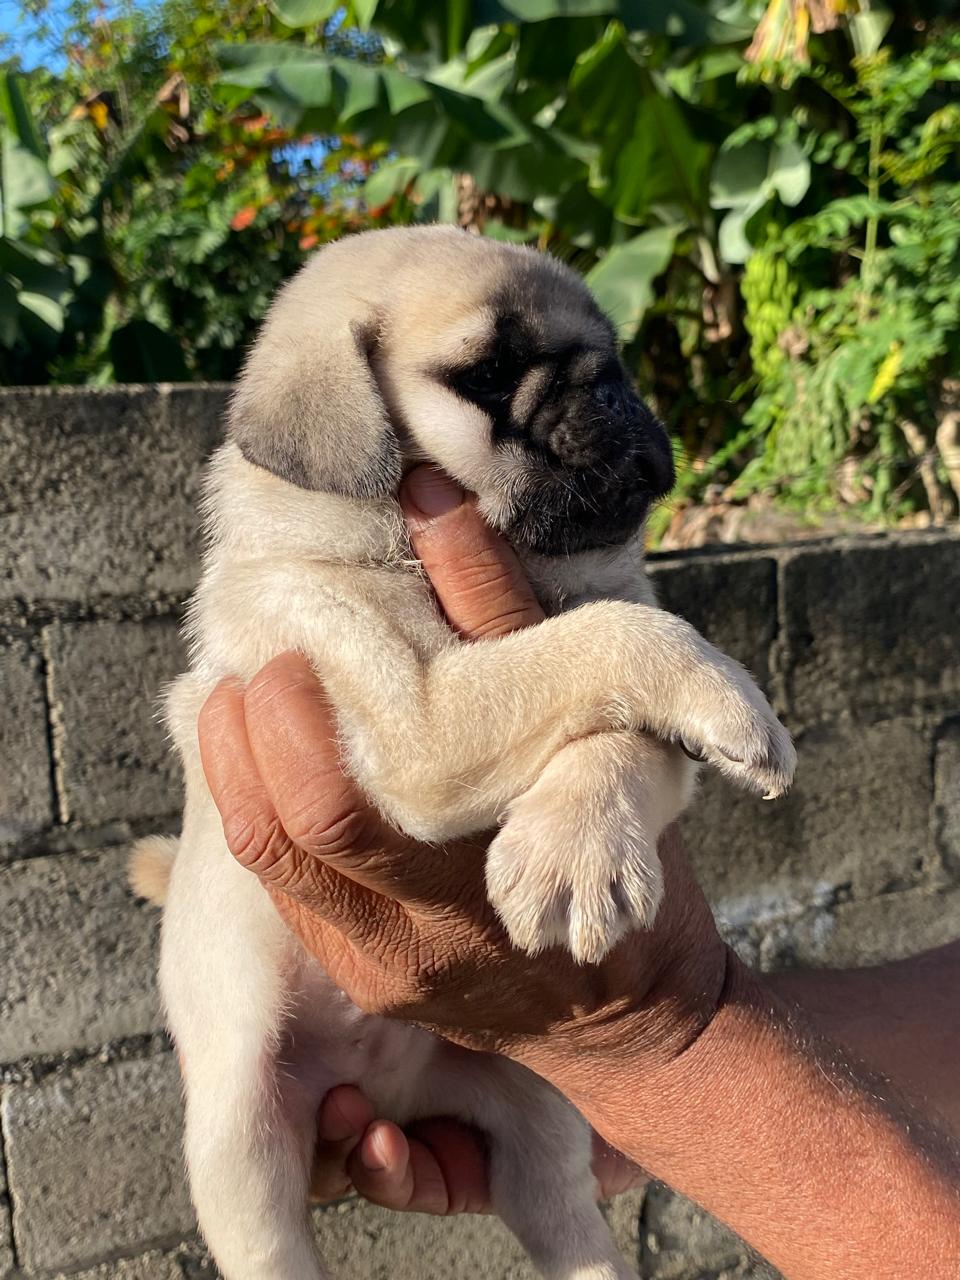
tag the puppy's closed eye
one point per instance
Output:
(490, 381)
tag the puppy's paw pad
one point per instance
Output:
(555, 880)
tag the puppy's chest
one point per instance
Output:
(564, 583)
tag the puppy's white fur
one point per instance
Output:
(565, 734)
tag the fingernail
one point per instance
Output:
(428, 492)
(373, 1153)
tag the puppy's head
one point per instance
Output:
(492, 361)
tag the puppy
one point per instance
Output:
(495, 363)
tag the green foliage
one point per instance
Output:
(154, 224)
(850, 364)
(769, 215)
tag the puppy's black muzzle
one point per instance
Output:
(599, 459)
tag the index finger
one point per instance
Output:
(475, 572)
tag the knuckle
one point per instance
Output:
(256, 839)
(481, 587)
(278, 679)
(328, 834)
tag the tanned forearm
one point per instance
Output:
(903, 1019)
(820, 1167)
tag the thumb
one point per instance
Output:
(478, 579)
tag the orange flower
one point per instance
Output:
(309, 242)
(243, 217)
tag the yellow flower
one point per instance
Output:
(887, 373)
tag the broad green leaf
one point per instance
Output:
(16, 116)
(733, 239)
(542, 10)
(744, 178)
(789, 173)
(622, 282)
(403, 91)
(483, 122)
(489, 81)
(288, 114)
(496, 230)
(428, 184)
(520, 172)
(482, 40)
(595, 57)
(260, 55)
(364, 12)
(738, 174)
(388, 181)
(49, 310)
(306, 84)
(684, 21)
(357, 89)
(304, 13)
(26, 179)
(421, 131)
(663, 163)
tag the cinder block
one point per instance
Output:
(361, 1242)
(873, 627)
(152, 1265)
(858, 817)
(79, 955)
(731, 602)
(854, 934)
(947, 796)
(681, 1242)
(98, 489)
(26, 797)
(107, 678)
(94, 1162)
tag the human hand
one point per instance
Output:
(436, 1166)
(405, 929)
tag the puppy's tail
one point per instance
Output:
(149, 868)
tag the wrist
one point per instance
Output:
(770, 1129)
(633, 1022)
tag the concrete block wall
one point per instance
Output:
(855, 641)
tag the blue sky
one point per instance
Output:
(18, 28)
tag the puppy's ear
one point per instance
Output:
(307, 406)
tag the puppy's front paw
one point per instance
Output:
(580, 877)
(734, 728)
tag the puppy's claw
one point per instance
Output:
(747, 743)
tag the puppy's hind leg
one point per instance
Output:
(541, 1182)
(249, 1170)
(225, 969)
(576, 862)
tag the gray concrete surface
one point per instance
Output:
(26, 796)
(78, 967)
